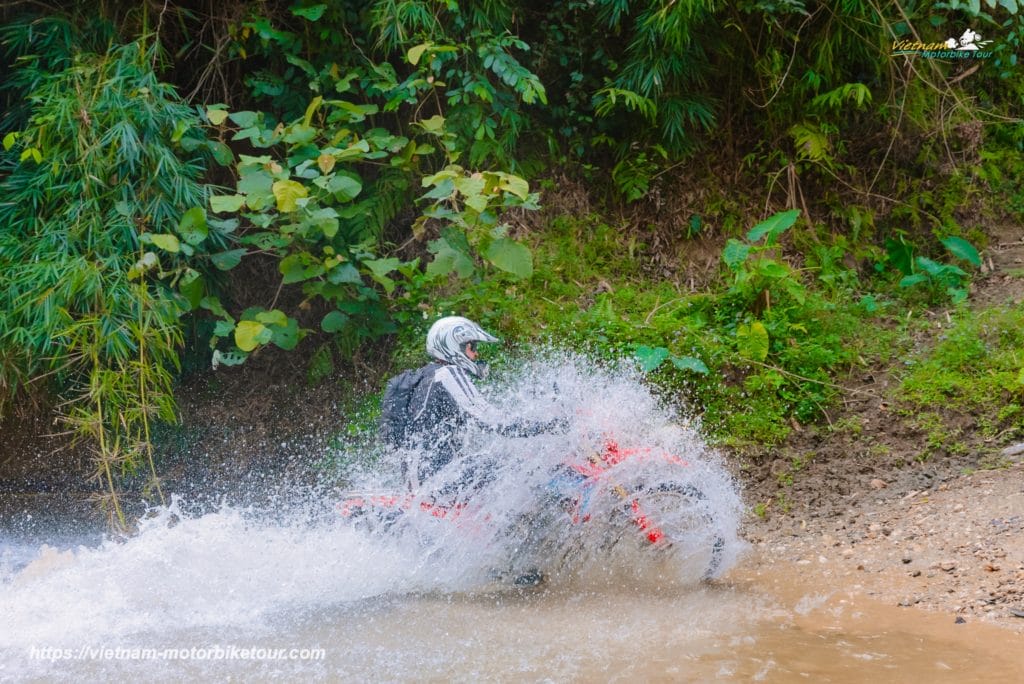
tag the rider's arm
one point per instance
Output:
(458, 385)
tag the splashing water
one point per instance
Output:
(511, 506)
(623, 491)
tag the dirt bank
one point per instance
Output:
(957, 548)
(863, 504)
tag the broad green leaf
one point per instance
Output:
(287, 336)
(962, 249)
(477, 203)
(354, 151)
(226, 203)
(333, 322)
(752, 341)
(192, 226)
(344, 187)
(382, 267)
(689, 363)
(225, 261)
(244, 119)
(193, 287)
(457, 239)
(223, 328)
(510, 256)
(251, 334)
(212, 304)
(448, 259)
(770, 268)
(434, 124)
(9, 140)
(295, 268)
(272, 317)
(299, 134)
(515, 185)
(344, 273)
(651, 357)
(773, 226)
(222, 154)
(165, 241)
(929, 266)
(735, 253)
(470, 186)
(257, 182)
(910, 280)
(216, 116)
(287, 193)
(415, 52)
(313, 12)
(442, 190)
(379, 268)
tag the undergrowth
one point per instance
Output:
(975, 369)
(753, 357)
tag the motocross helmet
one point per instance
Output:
(447, 340)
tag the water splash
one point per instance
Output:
(241, 567)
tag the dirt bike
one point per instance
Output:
(610, 484)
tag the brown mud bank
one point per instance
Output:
(956, 549)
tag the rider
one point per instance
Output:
(440, 400)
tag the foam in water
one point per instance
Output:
(236, 567)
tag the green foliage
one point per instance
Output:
(457, 62)
(749, 371)
(976, 367)
(115, 160)
(939, 277)
(309, 199)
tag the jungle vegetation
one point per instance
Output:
(730, 192)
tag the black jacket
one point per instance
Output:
(444, 402)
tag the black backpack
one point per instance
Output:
(396, 411)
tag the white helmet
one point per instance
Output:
(447, 340)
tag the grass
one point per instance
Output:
(977, 366)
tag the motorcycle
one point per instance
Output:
(642, 496)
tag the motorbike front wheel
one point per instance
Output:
(678, 517)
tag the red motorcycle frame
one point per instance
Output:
(574, 483)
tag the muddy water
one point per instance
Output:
(364, 621)
(293, 591)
